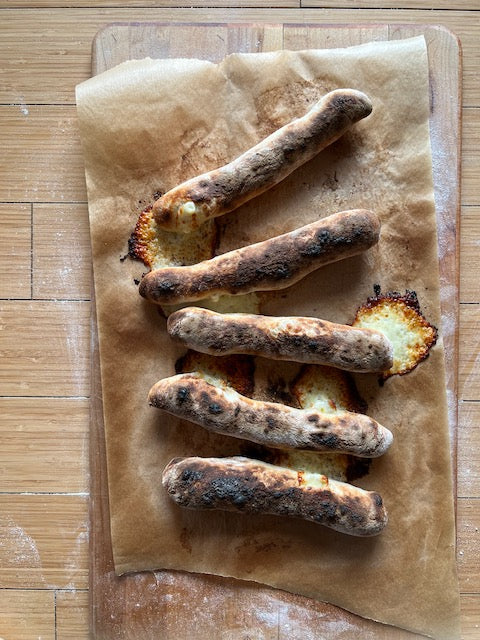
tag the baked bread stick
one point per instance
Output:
(217, 192)
(306, 340)
(252, 487)
(273, 264)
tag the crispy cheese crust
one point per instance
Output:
(307, 340)
(223, 410)
(235, 371)
(157, 248)
(272, 264)
(217, 192)
(253, 487)
(399, 318)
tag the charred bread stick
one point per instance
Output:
(276, 263)
(219, 191)
(307, 340)
(225, 411)
(254, 487)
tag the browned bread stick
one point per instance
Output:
(253, 487)
(272, 264)
(224, 410)
(219, 191)
(307, 340)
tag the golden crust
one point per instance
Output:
(253, 487)
(306, 340)
(141, 244)
(272, 264)
(156, 248)
(399, 318)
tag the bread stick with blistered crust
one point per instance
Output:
(272, 264)
(224, 410)
(307, 340)
(253, 487)
(219, 191)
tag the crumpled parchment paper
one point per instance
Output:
(148, 125)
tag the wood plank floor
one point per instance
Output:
(45, 271)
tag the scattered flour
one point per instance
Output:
(17, 548)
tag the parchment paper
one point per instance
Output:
(148, 125)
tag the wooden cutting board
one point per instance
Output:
(167, 604)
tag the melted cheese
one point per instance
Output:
(158, 248)
(188, 209)
(324, 389)
(408, 331)
(314, 464)
(248, 303)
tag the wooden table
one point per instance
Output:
(45, 289)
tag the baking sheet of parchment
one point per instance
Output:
(147, 125)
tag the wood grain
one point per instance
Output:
(469, 353)
(120, 42)
(27, 174)
(52, 358)
(470, 255)
(469, 450)
(234, 4)
(15, 250)
(470, 607)
(389, 4)
(468, 543)
(298, 36)
(27, 614)
(71, 618)
(258, 4)
(44, 541)
(62, 260)
(45, 69)
(471, 157)
(39, 435)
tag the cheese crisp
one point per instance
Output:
(398, 317)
